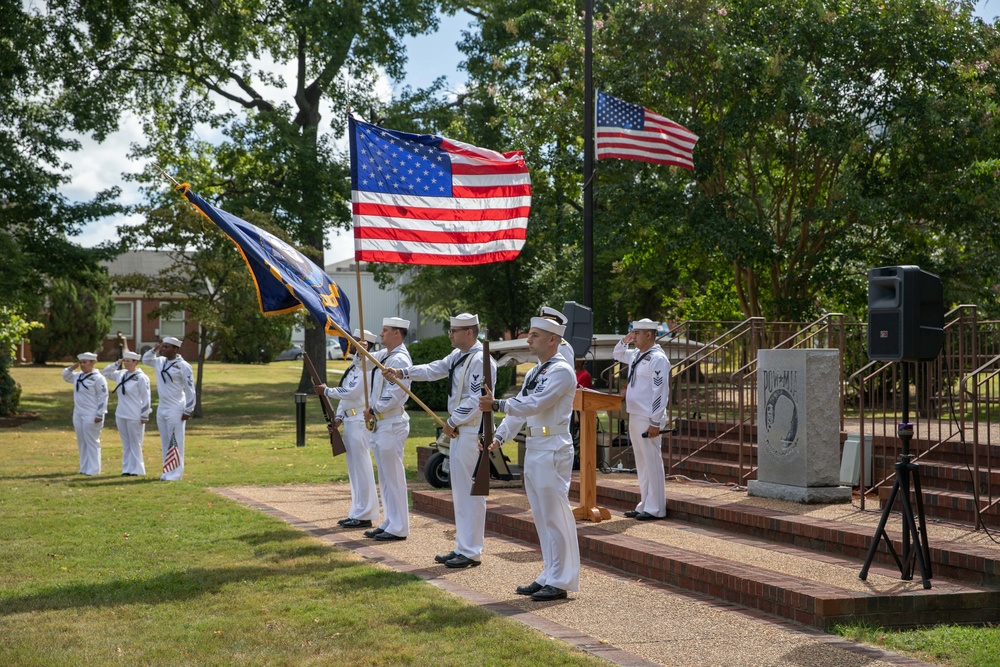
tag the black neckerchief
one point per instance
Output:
(385, 362)
(451, 371)
(631, 370)
(82, 380)
(121, 385)
(166, 367)
(531, 381)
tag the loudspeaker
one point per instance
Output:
(579, 327)
(905, 314)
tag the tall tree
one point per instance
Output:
(76, 318)
(259, 73)
(834, 137)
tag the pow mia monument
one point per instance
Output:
(798, 427)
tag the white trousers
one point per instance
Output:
(388, 442)
(364, 496)
(132, 432)
(470, 511)
(171, 425)
(648, 467)
(546, 480)
(88, 442)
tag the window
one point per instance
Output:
(172, 324)
(121, 320)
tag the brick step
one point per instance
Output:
(956, 477)
(701, 468)
(949, 505)
(969, 563)
(811, 602)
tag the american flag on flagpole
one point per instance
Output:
(631, 132)
(422, 199)
(172, 460)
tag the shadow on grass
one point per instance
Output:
(51, 475)
(190, 584)
(117, 481)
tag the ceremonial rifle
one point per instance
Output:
(336, 440)
(481, 475)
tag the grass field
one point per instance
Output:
(134, 571)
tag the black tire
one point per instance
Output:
(435, 472)
(298, 357)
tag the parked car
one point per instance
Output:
(333, 350)
(294, 353)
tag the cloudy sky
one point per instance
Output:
(100, 166)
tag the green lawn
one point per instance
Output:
(134, 571)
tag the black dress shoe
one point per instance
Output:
(549, 593)
(388, 537)
(343, 521)
(460, 561)
(631, 514)
(357, 523)
(444, 558)
(646, 516)
(530, 589)
(373, 532)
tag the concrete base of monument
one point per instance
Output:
(808, 495)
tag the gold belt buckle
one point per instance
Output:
(353, 412)
(545, 430)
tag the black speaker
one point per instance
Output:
(905, 314)
(579, 327)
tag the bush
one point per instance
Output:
(10, 391)
(435, 394)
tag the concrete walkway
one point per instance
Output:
(624, 620)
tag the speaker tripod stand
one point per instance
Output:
(914, 538)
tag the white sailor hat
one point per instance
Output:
(396, 322)
(646, 323)
(546, 324)
(465, 320)
(552, 314)
(170, 340)
(369, 336)
(134, 356)
(87, 356)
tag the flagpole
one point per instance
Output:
(588, 156)
(361, 323)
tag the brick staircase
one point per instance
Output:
(717, 454)
(965, 585)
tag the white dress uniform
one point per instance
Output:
(646, 403)
(465, 373)
(90, 403)
(176, 398)
(545, 403)
(388, 440)
(134, 406)
(357, 442)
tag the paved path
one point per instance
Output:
(627, 621)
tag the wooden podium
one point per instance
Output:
(588, 402)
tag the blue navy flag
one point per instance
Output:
(286, 279)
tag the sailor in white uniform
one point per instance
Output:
(646, 401)
(391, 425)
(565, 349)
(357, 438)
(132, 411)
(90, 404)
(545, 403)
(464, 369)
(175, 391)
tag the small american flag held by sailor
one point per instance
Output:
(172, 460)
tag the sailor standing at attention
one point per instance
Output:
(175, 391)
(132, 411)
(545, 403)
(646, 401)
(391, 426)
(357, 438)
(90, 403)
(464, 369)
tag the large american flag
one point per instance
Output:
(631, 132)
(422, 199)
(172, 460)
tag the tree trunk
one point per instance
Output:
(200, 373)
